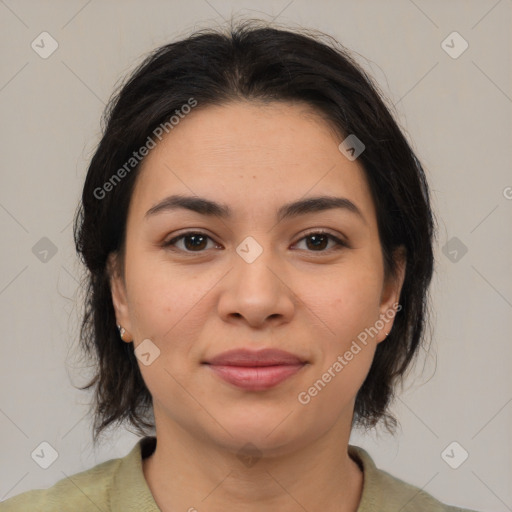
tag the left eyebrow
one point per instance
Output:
(211, 208)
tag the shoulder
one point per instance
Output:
(88, 490)
(116, 484)
(383, 492)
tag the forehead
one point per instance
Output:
(250, 155)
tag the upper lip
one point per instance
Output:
(263, 357)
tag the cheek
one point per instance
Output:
(349, 301)
(333, 392)
(160, 298)
(343, 359)
(166, 308)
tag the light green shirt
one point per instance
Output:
(118, 485)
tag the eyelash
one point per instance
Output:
(339, 243)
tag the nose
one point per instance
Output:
(257, 293)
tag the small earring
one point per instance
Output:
(387, 333)
(122, 331)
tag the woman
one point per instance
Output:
(258, 235)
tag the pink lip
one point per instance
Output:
(255, 371)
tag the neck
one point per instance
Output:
(187, 473)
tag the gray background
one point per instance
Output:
(456, 111)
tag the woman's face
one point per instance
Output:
(252, 279)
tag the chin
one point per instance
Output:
(274, 431)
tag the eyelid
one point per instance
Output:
(179, 236)
(323, 231)
(339, 241)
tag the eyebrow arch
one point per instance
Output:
(207, 207)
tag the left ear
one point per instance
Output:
(390, 295)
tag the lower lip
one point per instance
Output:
(255, 378)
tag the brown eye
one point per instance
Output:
(318, 241)
(192, 242)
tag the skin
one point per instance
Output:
(197, 304)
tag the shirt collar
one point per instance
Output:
(130, 491)
(370, 479)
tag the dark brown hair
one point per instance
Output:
(252, 61)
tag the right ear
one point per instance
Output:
(118, 292)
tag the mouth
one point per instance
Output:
(255, 371)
